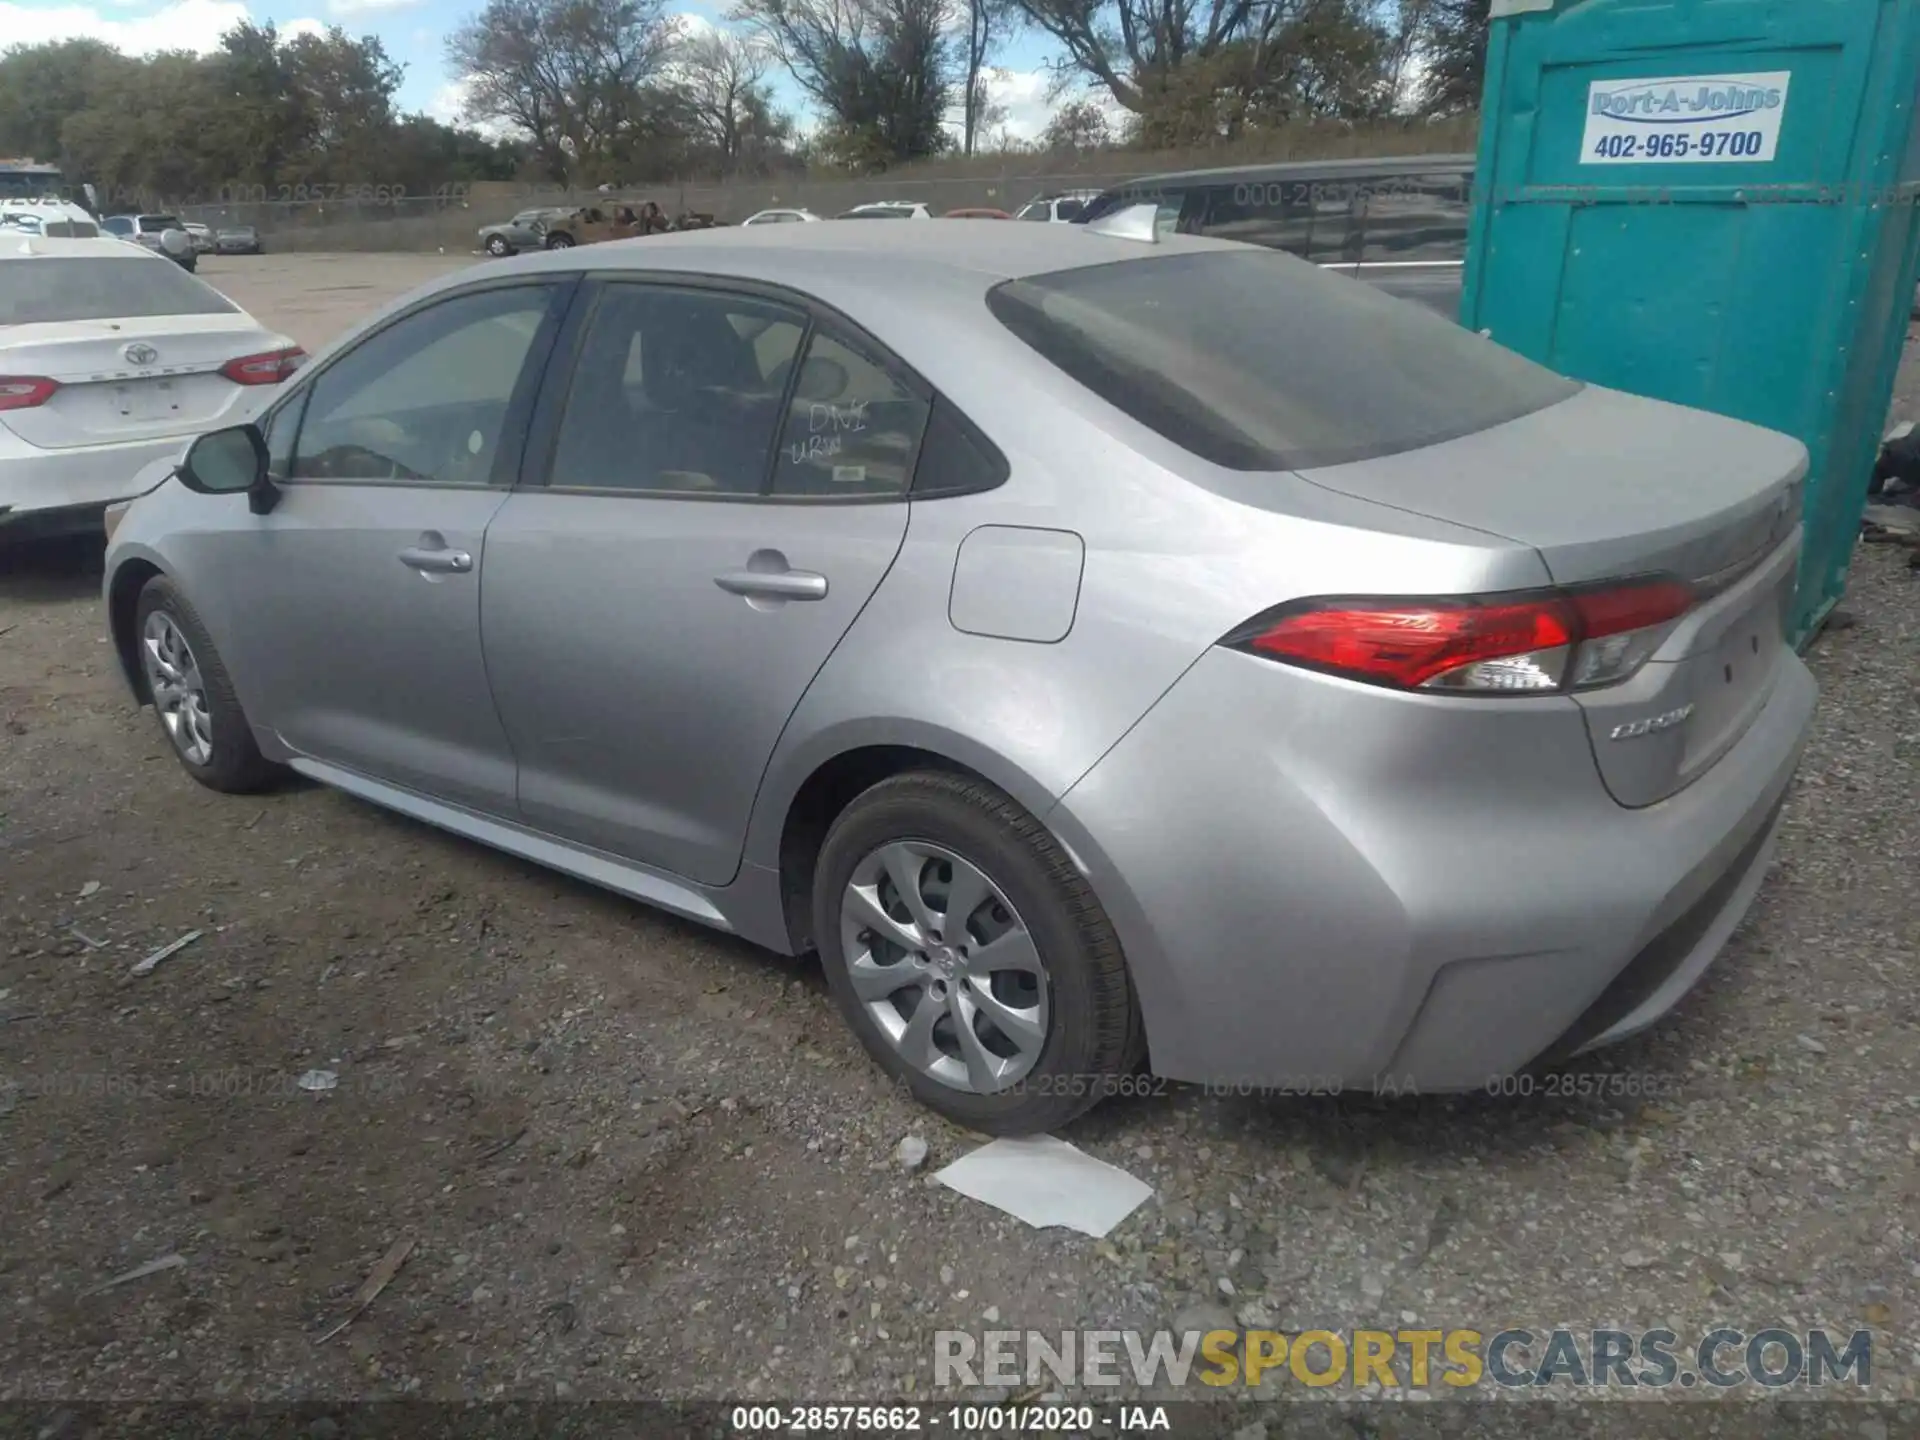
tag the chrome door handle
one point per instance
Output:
(436, 562)
(774, 585)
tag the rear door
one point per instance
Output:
(360, 591)
(723, 484)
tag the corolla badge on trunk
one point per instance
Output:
(140, 354)
(1634, 729)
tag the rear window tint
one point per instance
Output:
(1256, 361)
(70, 287)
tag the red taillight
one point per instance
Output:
(269, 367)
(24, 392)
(1534, 642)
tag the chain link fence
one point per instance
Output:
(385, 217)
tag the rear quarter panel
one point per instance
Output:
(1170, 567)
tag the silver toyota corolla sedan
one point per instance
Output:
(1107, 653)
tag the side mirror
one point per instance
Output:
(231, 462)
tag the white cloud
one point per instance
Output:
(195, 25)
(345, 8)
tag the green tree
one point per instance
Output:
(44, 86)
(572, 76)
(1456, 54)
(880, 70)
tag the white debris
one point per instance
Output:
(911, 1153)
(318, 1080)
(1045, 1181)
(145, 967)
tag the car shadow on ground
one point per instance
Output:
(69, 568)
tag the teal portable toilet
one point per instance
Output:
(1711, 202)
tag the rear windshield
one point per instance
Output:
(71, 287)
(1257, 361)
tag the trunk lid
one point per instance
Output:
(1605, 486)
(107, 396)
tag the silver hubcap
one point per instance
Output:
(945, 966)
(173, 675)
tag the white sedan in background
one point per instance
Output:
(780, 217)
(112, 358)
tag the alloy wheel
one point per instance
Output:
(944, 965)
(179, 695)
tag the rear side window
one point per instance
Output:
(853, 428)
(36, 289)
(1417, 218)
(1275, 213)
(1258, 362)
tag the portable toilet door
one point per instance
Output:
(1712, 204)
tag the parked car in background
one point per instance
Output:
(1414, 712)
(201, 236)
(887, 210)
(1061, 209)
(238, 240)
(525, 231)
(108, 358)
(780, 217)
(977, 212)
(1398, 223)
(162, 234)
(591, 225)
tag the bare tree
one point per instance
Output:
(721, 74)
(1154, 54)
(988, 21)
(568, 74)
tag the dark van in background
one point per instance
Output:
(1399, 222)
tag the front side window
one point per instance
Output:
(424, 400)
(126, 286)
(117, 225)
(1033, 210)
(1257, 362)
(852, 429)
(677, 391)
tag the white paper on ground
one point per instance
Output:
(1045, 1181)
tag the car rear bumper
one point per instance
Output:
(33, 481)
(1325, 884)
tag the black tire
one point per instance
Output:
(1093, 1031)
(236, 766)
(560, 241)
(498, 246)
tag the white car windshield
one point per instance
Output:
(98, 287)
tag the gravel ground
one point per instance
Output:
(636, 1159)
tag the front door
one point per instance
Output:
(361, 589)
(715, 518)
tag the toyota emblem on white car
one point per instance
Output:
(139, 354)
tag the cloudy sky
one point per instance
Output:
(413, 32)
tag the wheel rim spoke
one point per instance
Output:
(916, 1041)
(984, 1068)
(874, 982)
(970, 890)
(1026, 1028)
(1011, 951)
(904, 865)
(863, 906)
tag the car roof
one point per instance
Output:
(796, 255)
(1306, 170)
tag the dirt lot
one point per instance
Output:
(637, 1159)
